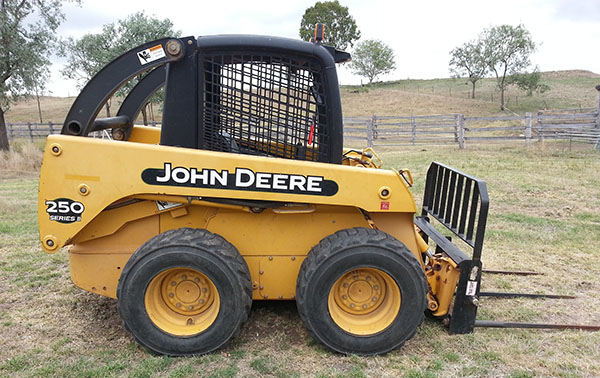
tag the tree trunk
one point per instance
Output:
(4, 146)
(107, 108)
(502, 87)
(145, 114)
(473, 91)
(152, 112)
(37, 97)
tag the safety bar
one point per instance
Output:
(111, 123)
(81, 116)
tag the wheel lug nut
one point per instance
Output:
(374, 299)
(201, 301)
(190, 307)
(171, 295)
(173, 283)
(364, 306)
(196, 279)
(368, 278)
(344, 297)
(345, 285)
(355, 277)
(376, 287)
(352, 305)
(184, 277)
(190, 321)
(204, 290)
(178, 304)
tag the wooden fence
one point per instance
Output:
(580, 125)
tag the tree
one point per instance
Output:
(507, 50)
(372, 58)
(340, 27)
(529, 82)
(27, 35)
(90, 53)
(468, 60)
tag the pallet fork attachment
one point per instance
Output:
(460, 202)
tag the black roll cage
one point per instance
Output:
(178, 70)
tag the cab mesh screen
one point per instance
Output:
(264, 105)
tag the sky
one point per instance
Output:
(421, 32)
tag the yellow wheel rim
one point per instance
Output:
(364, 301)
(182, 301)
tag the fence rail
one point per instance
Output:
(580, 125)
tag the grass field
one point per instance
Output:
(544, 216)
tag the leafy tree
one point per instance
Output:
(27, 35)
(468, 60)
(372, 58)
(507, 50)
(340, 27)
(90, 53)
(529, 82)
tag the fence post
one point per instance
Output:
(528, 124)
(540, 127)
(598, 110)
(456, 126)
(370, 133)
(597, 145)
(30, 131)
(51, 127)
(374, 127)
(414, 128)
(460, 120)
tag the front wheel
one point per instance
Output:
(361, 291)
(185, 291)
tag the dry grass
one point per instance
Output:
(393, 102)
(403, 97)
(54, 109)
(24, 158)
(545, 216)
(569, 89)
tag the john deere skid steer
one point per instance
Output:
(247, 193)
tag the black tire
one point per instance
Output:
(193, 250)
(355, 250)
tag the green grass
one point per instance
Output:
(544, 216)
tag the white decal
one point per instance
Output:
(151, 54)
(471, 288)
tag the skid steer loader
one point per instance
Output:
(247, 193)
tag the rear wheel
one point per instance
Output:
(361, 291)
(185, 291)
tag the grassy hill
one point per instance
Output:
(569, 89)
